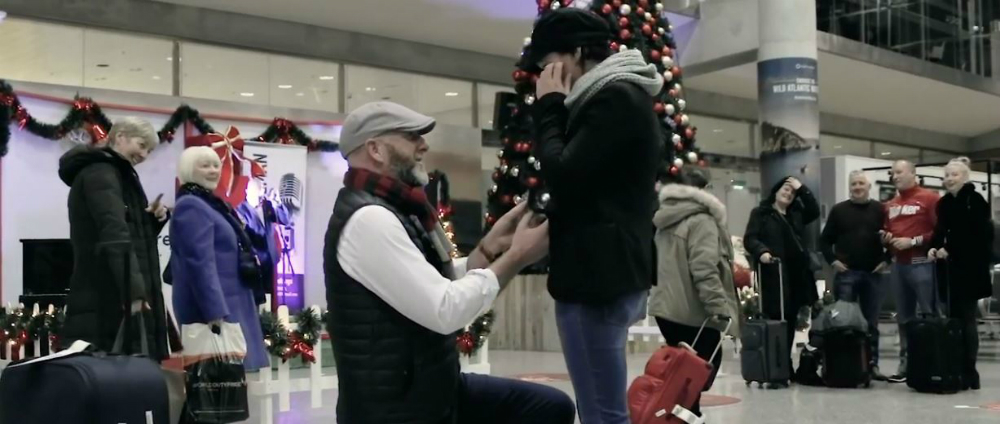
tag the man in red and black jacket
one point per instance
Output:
(909, 226)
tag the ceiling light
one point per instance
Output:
(369, 88)
(156, 77)
(451, 94)
(284, 86)
(326, 77)
(170, 59)
(886, 153)
(717, 131)
(300, 94)
(246, 94)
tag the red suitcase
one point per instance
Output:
(673, 381)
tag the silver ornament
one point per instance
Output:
(676, 138)
(668, 76)
(678, 162)
(682, 104)
(671, 110)
(659, 7)
(527, 41)
(692, 157)
(529, 100)
(661, 30)
(556, 5)
(503, 169)
(668, 62)
(685, 120)
(544, 199)
(494, 188)
(515, 171)
(622, 48)
(500, 153)
(625, 9)
(531, 160)
(648, 16)
(517, 199)
(678, 88)
(538, 165)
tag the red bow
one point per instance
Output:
(296, 347)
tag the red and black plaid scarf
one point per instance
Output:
(409, 200)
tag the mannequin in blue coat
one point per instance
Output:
(205, 245)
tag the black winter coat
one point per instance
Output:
(767, 232)
(600, 172)
(965, 230)
(109, 225)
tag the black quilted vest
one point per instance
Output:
(391, 369)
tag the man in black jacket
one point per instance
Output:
(111, 222)
(851, 243)
(599, 145)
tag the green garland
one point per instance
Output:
(86, 111)
(287, 344)
(20, 326)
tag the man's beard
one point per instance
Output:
(407, 169)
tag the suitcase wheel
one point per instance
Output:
(760, 385)
(748, 383)
(868, 385)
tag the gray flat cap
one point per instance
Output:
(377, 118)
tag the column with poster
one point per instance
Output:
(283, 188)
(788, 94)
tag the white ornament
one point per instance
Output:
(660, 30)
(556, 5)
(685, 120)
(503, 169)
(668, 76)
(671, 28)
(678, 162)
(625, 9)
(500, 153)
(538, 165)
(529, 100)
(692, 157)
(668, 62)
(682, 104)
(544, 199)
(527, 41)
(676, 138)
(517, 199)
(649, 16)
(515, 171)
(494, 188)
(622, 48)
(531, 160)
(659, 7)
(671, 110)
(678, 88)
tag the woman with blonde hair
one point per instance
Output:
(214, 269)
(963, 237)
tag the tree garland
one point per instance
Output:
(476, 336)
(87, 115)
(20, 328)
(288, 344)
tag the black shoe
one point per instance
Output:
(898, 378)
(971, 381)
(877, 375)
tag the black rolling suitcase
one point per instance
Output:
(847, 358)
(935, 352)
(765, 345)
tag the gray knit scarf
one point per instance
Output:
(628, 65)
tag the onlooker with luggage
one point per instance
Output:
(111, 224)
(214, 268)
(909, 226)
(964, 238)
(694, 277)
(851, 243)
(600, 144)
(397, 299)
(775, 232)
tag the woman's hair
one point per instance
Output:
(130, 127)
(190, 159)
(589, 53)
(774, 194)
(690, 176)
(962, 163)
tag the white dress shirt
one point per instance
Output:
(376, 251)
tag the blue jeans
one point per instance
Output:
(593, 341)
(914, 285)
(865, 289)
(491, 400)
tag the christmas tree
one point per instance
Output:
(635, 24)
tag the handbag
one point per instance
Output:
(815, 263)
(216, 379)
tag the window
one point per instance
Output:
(219, 73)
(487, 101)
(447, 100)
(832, 145)
(41, 52)
(722, 136)
(304, 83)
(125, 62)
(936, 156)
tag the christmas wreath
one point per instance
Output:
(288, 344)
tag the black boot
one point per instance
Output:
(971, 380)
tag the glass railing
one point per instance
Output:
(953, 33)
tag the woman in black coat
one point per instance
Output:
(775, 231)
(111, 222)
(964, 236)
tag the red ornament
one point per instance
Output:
(465, 343)
(21, 116)
(624, 34)
(506, 141)
(677, 119)
(542, 5)
(97, 134)
(496, 176)
(676, 71)
(656, 37)
(646, 29)
(606, 9)
(659, 108)
(655, 55)
(6, 99)
(623, 22)
(614, 46)
(640, 11)
(688, 133)
(701, 163)
(506, 199)
(643, 3)
(672, 92)
(616, 3)
(667, 51)
(532, 182)
(678, 146)
(490, 219)
(674, 170)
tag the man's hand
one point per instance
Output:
(530, 243)
(794, 182)
(942, 254)
(765, 258)
(839, 266)
(500, 237)
(552, 80)
(157, 209)
(886, 236)
(902, 243)
(881, 267)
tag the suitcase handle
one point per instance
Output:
(729, 323)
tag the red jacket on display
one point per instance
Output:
(912, 214)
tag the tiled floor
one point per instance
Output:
(882, 404)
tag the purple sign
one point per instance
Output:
(289, 292)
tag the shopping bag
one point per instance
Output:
(216, 380)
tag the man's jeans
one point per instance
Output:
(865, 289)
(914, 285)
